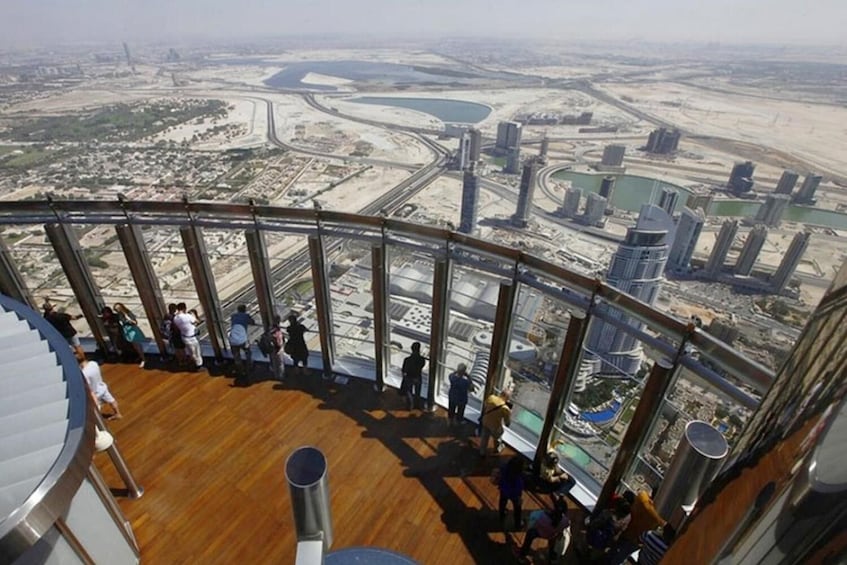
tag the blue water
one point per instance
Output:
(631, 191)
(292, 75)
(445, 110)
(603, 417)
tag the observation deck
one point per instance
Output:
(211, 456)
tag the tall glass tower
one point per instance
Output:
(637, 269)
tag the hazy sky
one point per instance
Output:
(40, 22)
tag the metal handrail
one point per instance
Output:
(237, 216)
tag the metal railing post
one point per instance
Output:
(379, 275)
(146, 281)
(68, 251)
(565, 378)
(500, 336)
(258, 251)
(650, 402)
(204, 283)
(323, 303)
(438, 332)
(134, 489)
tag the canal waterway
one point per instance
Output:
(631, 191)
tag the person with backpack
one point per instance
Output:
(186, 323)
(296, 345)
(546, 524)
(457, 396)
(238, 340)
(604, 530)
(496, 413)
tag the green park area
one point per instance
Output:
(119, 122)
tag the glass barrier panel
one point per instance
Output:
(293, 289)
(351, 295)
(410, 287)
(167, 255)
(41, 271)
(470, 322)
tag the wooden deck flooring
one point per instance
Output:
(211, 460)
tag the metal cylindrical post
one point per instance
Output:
(308, 483)
(697, 458)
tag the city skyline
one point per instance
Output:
(89, 21)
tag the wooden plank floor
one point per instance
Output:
(211, 460)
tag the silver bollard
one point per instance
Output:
(308, 484)
(694, 464)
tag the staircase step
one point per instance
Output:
(23, 337)
(29, 465)
(22, 400)
(32, 440)
(26, 350)
(11, 324)
(35, 416)
(27, 366)
(29, 380)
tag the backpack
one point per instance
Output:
(266, 343)
(167, 328)
(601, 531)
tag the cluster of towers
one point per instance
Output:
(597, 205)
(509, 144)
(741, 184)
(716, 264)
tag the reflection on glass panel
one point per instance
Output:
(409, 305)
(538, 334)
(350, 290)
(293, 290)
(689, 398)
(588, 453)
(470, 322)
(107, 263)
(41, 271)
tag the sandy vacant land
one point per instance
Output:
(813, 132)
(324, 132)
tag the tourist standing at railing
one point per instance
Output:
(277, 356)
(131, 332)
(171, 333)
(295, 346)
(62, 322)
(412, 371)
(96, 386)
(239, 322)
(496, 413)
(457, 396)
(187, 325)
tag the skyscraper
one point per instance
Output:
(470, 200)
(636, 268)
(770, 213)
(475, 144)
(513, 160)
(612, 158)
(570, 207)
(545, 145)
(806, 194)
(530, 171)
(595, 209)
(741, 177)
(779, 280)
(667, 200)
(508, 136)
(722, 244)
(750, 252)
(463, 153)
(662, 141)
(787, 182)
(607, 191)
(687, 232)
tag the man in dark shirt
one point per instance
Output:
(413, 375)
(62, 322)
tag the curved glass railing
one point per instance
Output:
(369, 286)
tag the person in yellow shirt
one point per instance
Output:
(496, 413)
(645, 518)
